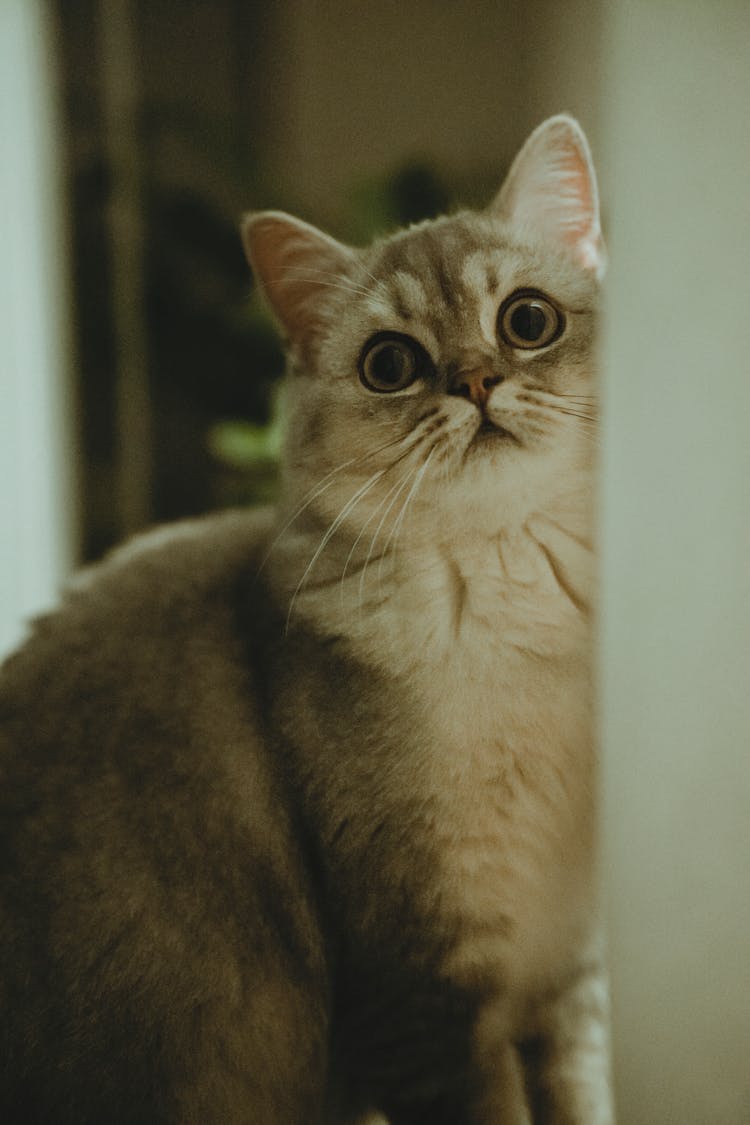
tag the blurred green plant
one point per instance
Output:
(412, 192)
(247, 456)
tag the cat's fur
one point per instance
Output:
(298, 807)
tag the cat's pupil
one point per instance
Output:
(389, 364)
(528, 321)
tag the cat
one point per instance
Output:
(298, 806)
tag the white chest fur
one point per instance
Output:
(498, 650)
(491, 634)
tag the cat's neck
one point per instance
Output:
(463, 591)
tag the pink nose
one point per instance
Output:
(475, 385)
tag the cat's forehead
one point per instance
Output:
(458, 269)
(426, 266)
(438, 244)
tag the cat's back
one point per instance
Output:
(135, 627)
(175, 566)
(144, 832)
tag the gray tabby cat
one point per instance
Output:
(298, 807)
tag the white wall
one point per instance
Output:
(36, 462)
(676, 536)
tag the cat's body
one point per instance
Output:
(298, 807)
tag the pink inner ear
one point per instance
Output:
(572, 205)
(551, 190)
(280, 256)
(559, 198)
(570, 190)
(295, 265)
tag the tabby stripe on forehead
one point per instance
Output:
(400, 306)
(436, 250)
(408, 295)
(447, 291)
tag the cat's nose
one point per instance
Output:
(476, 385)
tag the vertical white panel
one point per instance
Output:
(36, 516)
(676, 537)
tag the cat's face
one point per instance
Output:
(447, 371)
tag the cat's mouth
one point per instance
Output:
(488, 431)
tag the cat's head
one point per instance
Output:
(450, 365)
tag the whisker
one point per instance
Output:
(339, 285)
(414, 439)
(394, 488)
(575, 414)
(582, 403)
(339, 281)
(334, 280)
(378, 280)
(318, 489)
(556, 394)
(570, 406)
(423, 429)
(398, 490)
(394, 532)
(425, 423)
(335, 525)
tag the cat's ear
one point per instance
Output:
(551, 190)
(297, 266)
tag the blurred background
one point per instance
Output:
(138, 372)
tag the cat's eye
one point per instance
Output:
(528, 319)
(391, 362)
